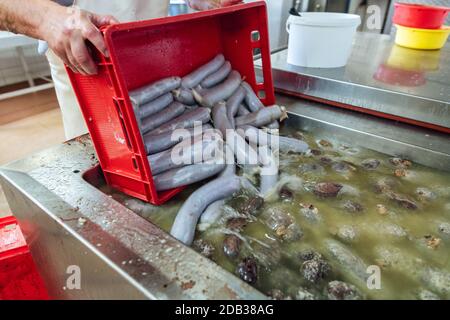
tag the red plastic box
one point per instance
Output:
(420, 16)
(146, 51)
(19, 279)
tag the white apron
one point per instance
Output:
(124, 11)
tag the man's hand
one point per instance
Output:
(65, 29)
(67, 32)
(211, 4)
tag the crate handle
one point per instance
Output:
(7, 221)
(118, 103)
(255, 36)
(260, 88)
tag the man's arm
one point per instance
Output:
(65, 29)
(25, 17)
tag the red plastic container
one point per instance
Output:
(146, 51)
(19, 279)
(420, 16)
(399, 77)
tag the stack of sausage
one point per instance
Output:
(214, 95)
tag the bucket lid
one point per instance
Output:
(326, 19)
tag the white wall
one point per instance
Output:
(11, 70)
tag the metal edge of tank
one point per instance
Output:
(420, 145)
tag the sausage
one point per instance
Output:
(154, 121)
(194, 78)
(230, 169)
(220, 119)
(155, 106)
(184, 153)
(221, 92)
(350, 263)
(234, 103)
(185, 223)
(245, 154)
(273, 125)
(218, 76)
(242, 111)
(184, 96)
(214, 210)
(255, 104)
(186, 175)
(262, 117)
(261, 138)
(150, 92)
(166, 140)
(186, 120)
(211, 214)
(269, 171)
(251, 99)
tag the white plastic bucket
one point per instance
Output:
(321, 39)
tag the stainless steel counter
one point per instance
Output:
(68, 221)
(381, 77)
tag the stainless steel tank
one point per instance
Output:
(70, 223)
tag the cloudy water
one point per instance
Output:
(340, 214)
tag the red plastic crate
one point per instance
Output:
(145, 51)
(19, 279)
